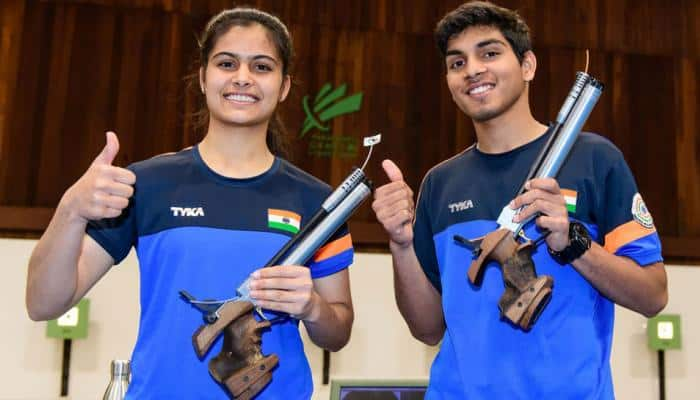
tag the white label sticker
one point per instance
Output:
(69, 319)
(372, 140)
(665, 330)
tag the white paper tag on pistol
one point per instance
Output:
(505, 220)
(372, 140)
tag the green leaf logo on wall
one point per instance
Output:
(326, 107)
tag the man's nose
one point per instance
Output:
(474, 69)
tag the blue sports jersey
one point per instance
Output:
(205, 233)
(566, 353)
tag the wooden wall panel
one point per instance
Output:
(650, 27)
(77, 68)
(17, 174)
(687, 85)
(11, 17)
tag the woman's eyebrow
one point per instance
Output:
(244, 57)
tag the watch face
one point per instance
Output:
(580, 241)
(580, 236)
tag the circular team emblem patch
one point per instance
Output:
(640, 212)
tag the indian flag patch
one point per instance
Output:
(283, 220)
(570, 198)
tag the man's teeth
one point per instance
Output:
(241, 97)
(481, 89)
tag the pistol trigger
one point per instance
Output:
(211, 317)
(259, 311)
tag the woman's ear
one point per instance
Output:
(528, 66)
(201, 80)
(286, 85)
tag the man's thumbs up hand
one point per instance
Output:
(392, 171)
(394, 207)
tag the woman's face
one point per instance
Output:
(243, 81)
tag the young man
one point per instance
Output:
(616, 257)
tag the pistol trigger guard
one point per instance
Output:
(209, 308)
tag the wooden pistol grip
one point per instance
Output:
(245, 380)
(530, 302)
(255, 388)
(205, 336)
(490, 246)
(537, 304)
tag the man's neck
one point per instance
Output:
(507, 132)
(239, 152)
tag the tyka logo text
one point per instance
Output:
(187, 211)
(460, 206)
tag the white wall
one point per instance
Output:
(31, 367)
(381, 346)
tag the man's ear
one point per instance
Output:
(286, 85)
(528, 66)
(201, 79)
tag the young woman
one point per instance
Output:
(203, 220)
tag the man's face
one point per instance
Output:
(483, 73)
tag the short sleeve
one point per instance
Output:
(116, 235)
(423, 242)
(627, 225)
(335, 255)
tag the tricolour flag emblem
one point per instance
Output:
(570, 198)
(283, 220)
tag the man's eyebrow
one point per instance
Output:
(479, 45)
(487, 42)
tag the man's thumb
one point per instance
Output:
(392, 171)
(109, 151)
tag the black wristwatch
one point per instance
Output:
(579, 242)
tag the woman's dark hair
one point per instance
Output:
(484, 13)
(278, 33)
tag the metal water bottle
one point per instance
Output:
(121, 375)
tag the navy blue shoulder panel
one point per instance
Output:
(178, 190)
(476, 186)
(245, 201)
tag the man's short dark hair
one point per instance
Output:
(484, 13)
